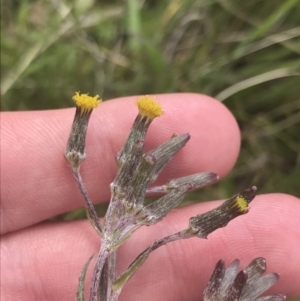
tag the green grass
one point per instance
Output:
(247, 55)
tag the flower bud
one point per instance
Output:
(75, 151)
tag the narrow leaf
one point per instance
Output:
(80, 291)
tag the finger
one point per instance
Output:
(54, 254)
(38, 184)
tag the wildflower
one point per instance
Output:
(128, 210)
(86, 103)
(148, 110)
(75, 151)
(247, 285)
(203, 224)
(131, 153)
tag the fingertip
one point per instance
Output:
(215, 135)
(275, 227)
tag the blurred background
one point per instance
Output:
(244, 53)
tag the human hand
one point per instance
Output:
(42, 260)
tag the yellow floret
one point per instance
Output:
(148, 107)
(241, 203)
(86, 102)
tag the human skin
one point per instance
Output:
(41, 260)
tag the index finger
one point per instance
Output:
(37, 183)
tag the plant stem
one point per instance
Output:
(108, 276)
(101, 259)
(89, 207)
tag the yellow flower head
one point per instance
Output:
(148, 107)
(85, 102)
(241, 203)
